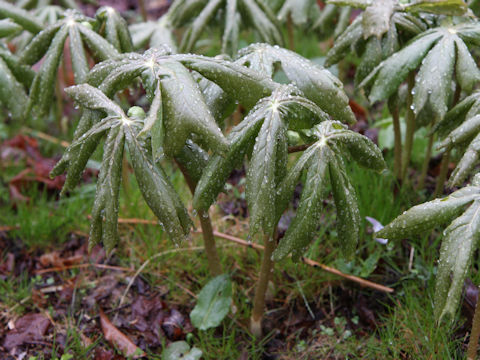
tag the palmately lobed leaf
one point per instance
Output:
(324, 161)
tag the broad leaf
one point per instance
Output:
(213, 303)
(462, 210)
(180, 350)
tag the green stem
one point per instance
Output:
(397, 148)
(443, 174)
(410, 131)
(291, 37)
(143, 10)
(207, 229)
(209, 243)
(262, 286)
(426, 162)
(475, 334)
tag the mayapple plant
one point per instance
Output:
(262, 136)
(441, 56)
(155, 34)
(459, 130)
(20, 17)
(111, 25)
(237, 13)
(16, 78)
(49, 43)
(376, 34)
(461, 210)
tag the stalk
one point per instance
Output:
(143, 10)
(426, 162)
(446, 156)
(443, 174)
(475, 334)
(397, 147)
(262, 285)
(207, 230)
(410, 122)
(291, 38)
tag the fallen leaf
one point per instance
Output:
(119, 339)
(29, 328)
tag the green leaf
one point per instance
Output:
(299, 10)
(458, 246)
(263, 20)
(8, 28)
(388, 76)
(465, 132)
(344, 42)
(424, 217)
(92, 98)
(315, 82)
(154, 124)
(77, 52)
(108, 188)
(201, 21)
(362, 4)
(213, 303)
(376, 18)
(466, 70)
(433, 82)
(232, 24)
(348, 214)
(467, 163)
(185, 111)
(41, 93)
(100, 47)
(11, 86)
(240, 83)
(20, 16)
(157, 191)
(116, 29)
(180, 350)
(441, 7)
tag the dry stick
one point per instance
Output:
(315, 264)
(410, 122)
(44, 136)
(81, 266)
(207, 230)
(331, 270)
(262, 285)
(475, 334)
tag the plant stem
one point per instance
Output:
(397, 147)
(207, 229)
(209, 243)
(291, 38)
(475, 334)
(443, 174)
(426, 162)
(143, 10)
(410, 122)
(262, 285)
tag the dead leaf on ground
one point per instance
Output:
(119, 339)
(29, 328)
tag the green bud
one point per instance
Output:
(87, 25)
(136, 112)
(293, 137)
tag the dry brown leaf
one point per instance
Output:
(119, 339)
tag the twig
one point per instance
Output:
(81, 266)
(362, 282)
(45, 137)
